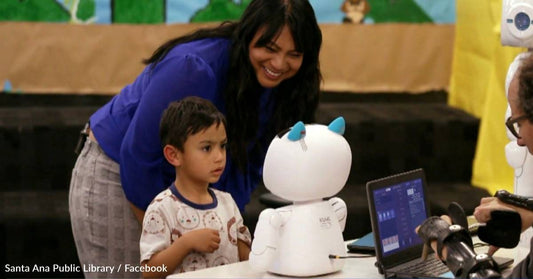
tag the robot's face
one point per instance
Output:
(309, 162)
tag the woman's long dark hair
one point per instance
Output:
(295, 98)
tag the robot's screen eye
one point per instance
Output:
(283, 132)
(522, 21)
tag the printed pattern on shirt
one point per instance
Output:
(168, 218)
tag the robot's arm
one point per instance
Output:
(339, 207)
(265, 241)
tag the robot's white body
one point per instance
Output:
(521, 160)
(305, 165)
(301, 240)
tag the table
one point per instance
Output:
(353, 268)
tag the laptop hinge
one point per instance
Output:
(380, 268)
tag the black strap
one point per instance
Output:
(517, 200)
(84, 133)
(502, 230)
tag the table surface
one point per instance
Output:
(353, 268)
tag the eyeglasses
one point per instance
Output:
(513, 126)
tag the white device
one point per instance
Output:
(305, 165)
(517, 23)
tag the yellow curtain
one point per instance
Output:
(477, 86)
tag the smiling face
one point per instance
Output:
(204, 156)
(277, 61)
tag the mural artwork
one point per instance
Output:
(186, 11)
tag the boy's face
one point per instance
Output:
(204, 157)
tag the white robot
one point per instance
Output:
(305, 165)
(516, 30)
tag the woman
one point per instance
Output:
(262, 72)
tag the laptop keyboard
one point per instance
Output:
(430, 266)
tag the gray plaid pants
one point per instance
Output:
(105, 229)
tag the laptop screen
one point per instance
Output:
(399, 209)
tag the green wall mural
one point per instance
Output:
(220, 10)
(47, 10)
(182, 11)
(138, 12)
(387, 11)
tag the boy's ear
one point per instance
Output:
(172, 154)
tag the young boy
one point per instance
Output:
(191, 226)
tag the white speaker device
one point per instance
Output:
(517, 23)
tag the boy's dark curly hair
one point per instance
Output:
(187, 117)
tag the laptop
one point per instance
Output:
(398, 204)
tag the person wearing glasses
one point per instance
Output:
(520, 124)
(518, 157)
(518, 99)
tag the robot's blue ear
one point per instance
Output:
(297, 131)
(338, 125)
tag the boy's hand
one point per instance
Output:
(203, 240)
